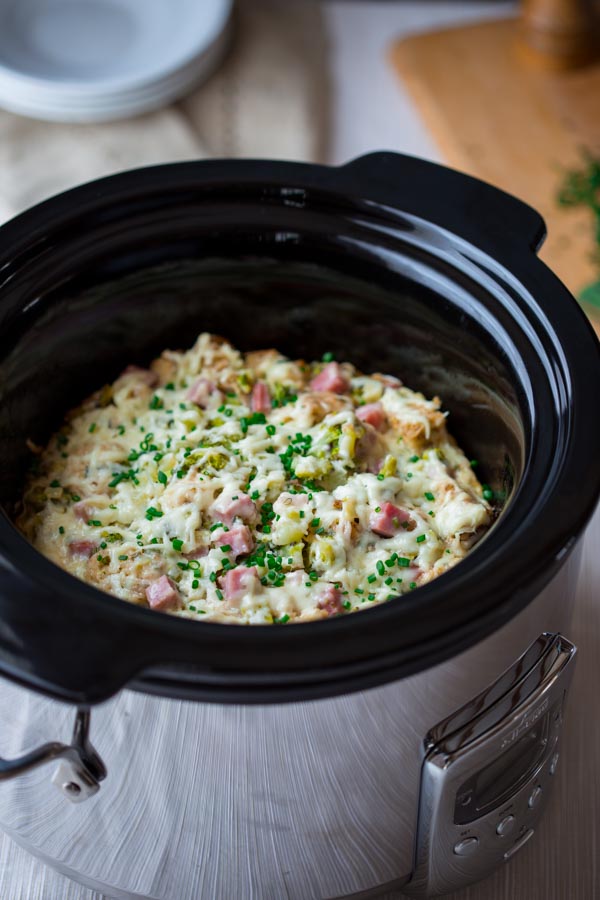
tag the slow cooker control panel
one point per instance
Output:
(488, 770)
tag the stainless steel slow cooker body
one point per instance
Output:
(411, 745)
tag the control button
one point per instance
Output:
(518, 844)
(505, 826)
(466, 847)
(536, 796)
(554, 763)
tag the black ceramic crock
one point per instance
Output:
(393, 263)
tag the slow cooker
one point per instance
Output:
(409, 748)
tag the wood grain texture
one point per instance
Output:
(497, 117)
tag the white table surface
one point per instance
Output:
(371, 112)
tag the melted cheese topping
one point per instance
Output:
(248, 504)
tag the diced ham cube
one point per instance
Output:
(261, 398)
(331, 378)
(389, 520)
(204, 393)
(237, 583)
(330, 599)
(372, 414)
(239, 539)
(231, 504)
(83, 511)
(82, 548)
(162, 594)
(145, 375)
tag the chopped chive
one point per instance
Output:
(213, 577)
(162, 477)
(388, 580)
(225, 548)
(55, 483)
(474, 463)
(92, 428)
(270, 429)
(195, 583)
(380, 477)
(123, 557)
(219, 594)
(377, 509)
(371, 578)
(153, 513)
(370, 596)
(285, 618)
(327, 357)
(412, 585)
(380, 567)
(75, 498)
(488, 493)
(216, 525)
(177, 544)
(429, 496)
(169, 386)
(346, 604)
(358, 591)
(403, 562)
(413, 459)
(95, 522)
(61, 530)
(301, 513)
(421, 538)
(315, 523)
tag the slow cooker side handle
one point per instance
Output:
(474, 210)
(81, 770)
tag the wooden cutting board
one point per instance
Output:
(500, 118)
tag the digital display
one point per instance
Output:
(496, 782)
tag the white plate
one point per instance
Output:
(76, 60)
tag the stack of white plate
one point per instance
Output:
(96, 60)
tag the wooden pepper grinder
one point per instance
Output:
(561, 34)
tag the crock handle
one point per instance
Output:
(474, 210)
(81, 769)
